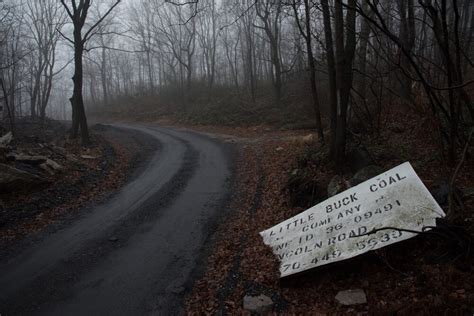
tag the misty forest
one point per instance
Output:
(236, 157)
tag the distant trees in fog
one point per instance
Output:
(355, 58)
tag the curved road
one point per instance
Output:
(136, 254)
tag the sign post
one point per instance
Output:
(369, 216)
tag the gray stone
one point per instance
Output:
(260, 304)
(88, 157)
(47, 169)
(351, 297)
(336, 185)
(365, 174)
(59, 150)
(12, 179)
(72, 158)
(308, 139)
(53, 165)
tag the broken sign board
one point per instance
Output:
(355, 221)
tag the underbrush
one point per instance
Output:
(222, 106)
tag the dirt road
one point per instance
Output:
(137, 253)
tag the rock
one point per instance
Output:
(6, 139)
(31, 160)
(46, 168)
(279, 149)
(258, 304)
(365, 174)
(12, 179)
(359, 158)
(72, 158)
(53, 165)
(336, 185)
(59, 150)
(351, 297)
(308, 139)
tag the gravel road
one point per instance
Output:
(137, 253)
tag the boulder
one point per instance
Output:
(336, 185)
(260, 304)
(12, 179)
(351, 297)
(365, 174)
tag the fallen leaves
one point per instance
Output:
(401, 280)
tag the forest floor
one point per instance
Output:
(425, 275)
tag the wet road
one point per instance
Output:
(137, 253)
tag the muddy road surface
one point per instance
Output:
(137, 253)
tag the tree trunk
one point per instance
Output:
(331, 74)
(344, 59)
(79, 119)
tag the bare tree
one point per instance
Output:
(77, 12)
(340, 59)
(44, 19)
(207, 36)
(305, 30)
(269, 12)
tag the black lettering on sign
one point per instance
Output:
(348, 212)
(372, 242)
(342, 202)
(343, 236)
(315, 225)
(281, 246)
(330, 229)
(367, 215)
(306, 238)
(385, 182)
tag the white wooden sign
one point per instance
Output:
(338, 228)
